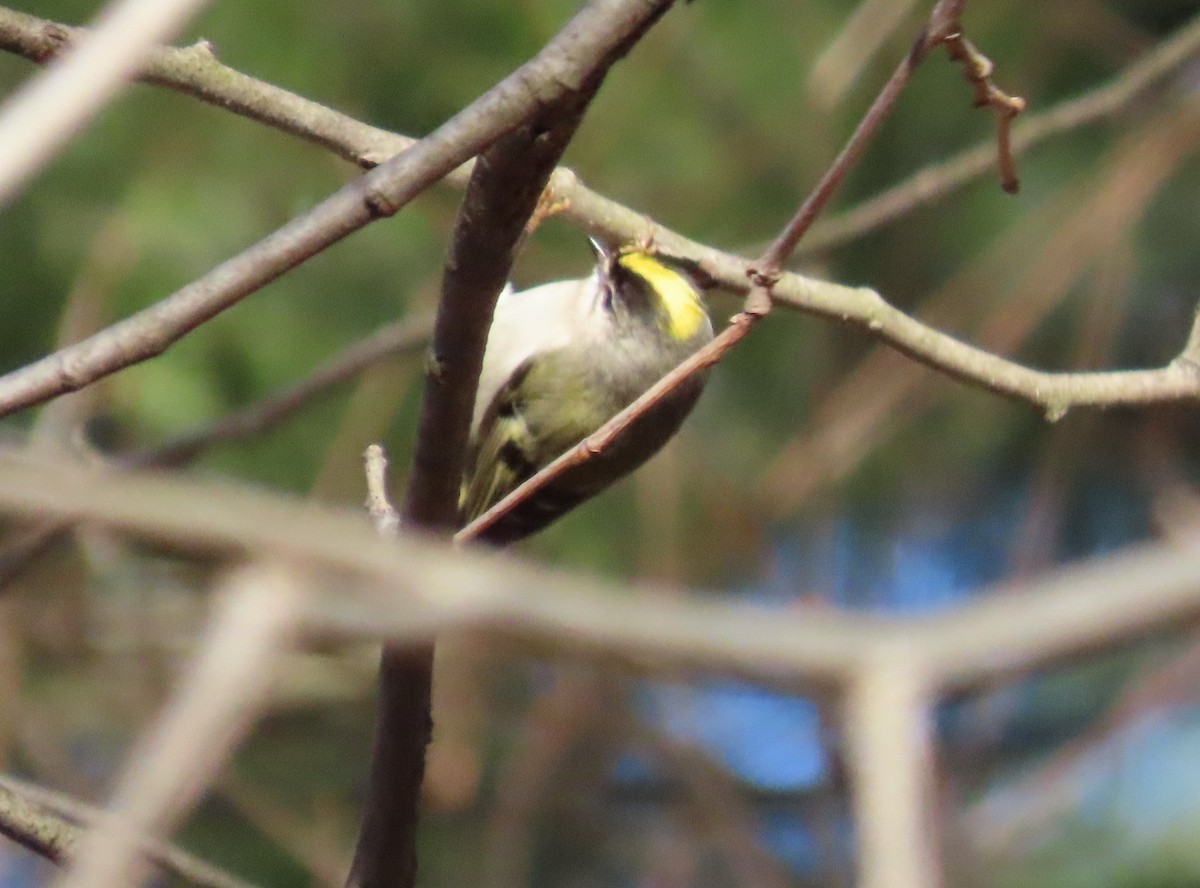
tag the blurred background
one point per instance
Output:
(819, 470)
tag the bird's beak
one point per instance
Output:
(603, 253)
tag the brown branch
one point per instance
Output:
(51, 824)
(507, 182)
(389, 341)
(1020, 810)
(940, 179)
(978, 69)
(763, 275)
(1089, 221)
(551, 731)
(729, 822)
(938, 29)
(255, 418)
(381, 192)
(195, 71)
(257, 611)
(408, 588)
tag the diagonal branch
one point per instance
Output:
(195, 71)
(505, 187)
(255, 418)
(408, 588)
(51, 824)
(390, 340)
(254, 619)
(382, 192)
(39, 119)
(763, 275)
(940, 179)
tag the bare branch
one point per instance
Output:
(51, 824)
(978, 69)
(34, 827)
(389, 341)
(861, 307)
(935, 32)
(255, 418)
(940, 179)
(889, 736)
(381, 192)
(408, 588)
(43, 115)
(165, 773)
(195, 71)
(762, 275)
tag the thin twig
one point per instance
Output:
(978, 70)
(763, 275)
(289, 826)
(937, 30)
(389, 341)
(1006, 820)
(942, 178)
(255, 418)
(51, 824)
(851, 419)
(730, 823)
(379, 506)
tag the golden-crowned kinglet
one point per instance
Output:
(564, 358)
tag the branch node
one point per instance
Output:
(58, 37)
(1053, 411)
(203, 47)
(978, 70)
(763, 277)
(549, 205)
(758, 301)
(378, 204)
(435, 367)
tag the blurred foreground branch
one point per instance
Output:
(51, 825)
(407, 589)
(255, 615)
(40, 117)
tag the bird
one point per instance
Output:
(561, 360)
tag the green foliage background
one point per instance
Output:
(713, 127)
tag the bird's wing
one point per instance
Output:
(502, 454)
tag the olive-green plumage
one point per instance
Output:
(561, 360)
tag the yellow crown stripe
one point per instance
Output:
(680, 303)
